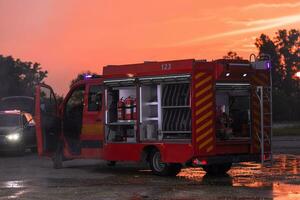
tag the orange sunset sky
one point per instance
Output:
(72, 36)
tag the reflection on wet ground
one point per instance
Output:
(282, 177)
(244, 181)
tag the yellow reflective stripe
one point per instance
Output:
(204, 117)
(95, 129)
(203, 99)
(203, 90)
(204, 108)
(204, 134)
(209, 148)
(199, 75)
(206, 142)
(203, 81)
(204, 126)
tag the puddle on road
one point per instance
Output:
(12, 184)
(285, 169)
(282, 180)
(282, 191)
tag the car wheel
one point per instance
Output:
(163, 169)
(20, 150)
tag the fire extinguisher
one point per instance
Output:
(134, 109)
(121, 109)
(128, 105)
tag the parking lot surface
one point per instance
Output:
(32, 177)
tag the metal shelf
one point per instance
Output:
(185, 106)
(176, 132)
(151, 103)
(151, 119)
(123, 122)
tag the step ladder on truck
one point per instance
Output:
(170, 114)
(264, 97)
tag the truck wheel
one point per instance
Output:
(58, 157)
(163, 169)
(111, 163)
(217, 169)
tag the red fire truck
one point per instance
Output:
(169, 114)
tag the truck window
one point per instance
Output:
(48, 103)
(73, 113)
(75, 102)
(95, 98)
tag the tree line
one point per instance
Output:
(18, 78)
(284, 50)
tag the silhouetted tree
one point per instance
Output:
(59, 98)
(284, 50)
(232, 55)
(18, 77)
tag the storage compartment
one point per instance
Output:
(120, 115)
(165, 111)
(150, 112)
(233, 111)
(176, 111)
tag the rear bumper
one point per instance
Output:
(230, 158)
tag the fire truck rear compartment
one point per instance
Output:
(233, 112)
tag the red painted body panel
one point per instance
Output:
(133, 151)
(148, 69)
(233, 147)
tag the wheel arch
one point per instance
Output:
(147, 150)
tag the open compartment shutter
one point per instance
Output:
(165, 79)
(119, 82)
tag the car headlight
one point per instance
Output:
(13, 136)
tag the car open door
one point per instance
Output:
(46, 119)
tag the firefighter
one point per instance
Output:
(223, 124)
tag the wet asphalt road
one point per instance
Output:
(30, 177)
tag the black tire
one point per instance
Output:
(111, 163)
(217, 169)
(58, 157)
(19, 152)
(163, 169)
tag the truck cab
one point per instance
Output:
(75, 125)
(169, 114)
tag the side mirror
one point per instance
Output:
(29, 123)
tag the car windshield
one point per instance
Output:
(9, 120)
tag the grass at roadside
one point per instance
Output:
(287, 131)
